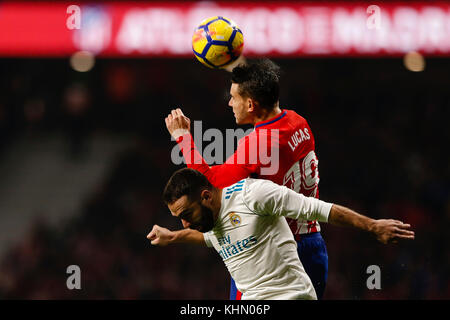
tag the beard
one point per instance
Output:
(206, 222)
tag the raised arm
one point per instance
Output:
(220, 176)
(266, 197)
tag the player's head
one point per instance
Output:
(254, 85)
(188, 194)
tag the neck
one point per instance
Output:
(264, 114)
(217, 202)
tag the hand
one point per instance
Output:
(177, 123)
(160, 236)
(389, 231)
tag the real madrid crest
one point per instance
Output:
(235, 219)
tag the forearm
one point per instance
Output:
(220, 176)
(192, 157)
(188, 236)
(343, 216)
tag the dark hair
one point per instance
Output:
(185, 181)
(258, 80)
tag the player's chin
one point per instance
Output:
(242, 121)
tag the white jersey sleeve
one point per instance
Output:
(265, 197)
(207, 237)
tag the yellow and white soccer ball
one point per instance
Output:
(217, 42)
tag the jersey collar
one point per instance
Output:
(272, 120)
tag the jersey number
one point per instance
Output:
(303, 176)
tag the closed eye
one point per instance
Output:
(185, 215)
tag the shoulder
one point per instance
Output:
(252, 185)
(300, 123)
(237, 186)
(208, 236)
(258, 193)
(291, 114)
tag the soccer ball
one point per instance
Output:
(217, 42)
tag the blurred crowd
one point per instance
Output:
(382, 140)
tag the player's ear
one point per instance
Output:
(205, 195)
(250, 105)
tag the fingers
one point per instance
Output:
(152, 235)
(401, 230)
(400, 224)
(154, 240)
(177, 123)
(406, 236)
(176, 112)
(159, 236)
(399, 233)
(403, 225)
(171, 116)
(404, 232)
(393, 231)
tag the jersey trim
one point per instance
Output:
(260, 124)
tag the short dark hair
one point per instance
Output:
(258, 80)
(185, 181)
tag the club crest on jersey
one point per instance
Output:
(235, 219)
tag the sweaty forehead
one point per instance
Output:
(179, 205)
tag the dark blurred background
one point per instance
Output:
(382, 140)
(85, 155)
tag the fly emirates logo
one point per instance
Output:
(229, 249)
(298, 137)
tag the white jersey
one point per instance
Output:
(255, 242)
